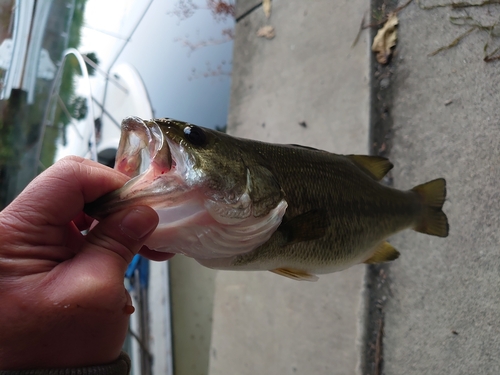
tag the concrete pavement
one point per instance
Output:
(307, 86)
(444, 314)
(434, 117)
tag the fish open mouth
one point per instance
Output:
(140, 145)
(146, 156)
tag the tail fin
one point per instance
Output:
(434, 220)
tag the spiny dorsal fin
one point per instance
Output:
(306, 147)
(384, 252)
(295, 274)
(376, 166)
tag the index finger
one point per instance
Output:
(58, 194)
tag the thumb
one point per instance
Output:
(124, 232)
(97, 270)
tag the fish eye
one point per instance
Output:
(195, 135)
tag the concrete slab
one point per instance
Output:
(444, 315)
(266, 324)
(307, 86)
(192, 296)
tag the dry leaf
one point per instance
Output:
(385, 39)
(266, 5)
(266, 32)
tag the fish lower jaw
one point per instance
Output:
(156, 187)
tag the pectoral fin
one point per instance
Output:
(385, 252)
(295, 274)
(310, 225)
(376, 166)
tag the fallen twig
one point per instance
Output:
(454, 43)
(359, 31)
(469, 5)
(458, 5)
(470, 21)
(492, 56)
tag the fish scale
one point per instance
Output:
(299, 211)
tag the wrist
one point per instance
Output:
(120, 366)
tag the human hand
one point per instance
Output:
(62, 297)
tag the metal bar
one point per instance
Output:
(104, 111)
(105, 32)
(113, 79)
(121, 50)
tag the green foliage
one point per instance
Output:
(49, 145)
(20, 122)
(76, 107)
(6, 142)
(76, 24)
(93, 57)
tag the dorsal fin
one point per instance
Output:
(376, 166)
(306, 147)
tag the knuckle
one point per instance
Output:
(118, 246)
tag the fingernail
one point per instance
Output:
(129, 308)
(138, 223)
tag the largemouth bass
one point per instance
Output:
(238, 204)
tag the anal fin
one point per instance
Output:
(295, 274)
(384, 252)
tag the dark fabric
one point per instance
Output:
(119, 367)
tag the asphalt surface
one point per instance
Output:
(435, 310)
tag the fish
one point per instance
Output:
(238, 204)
